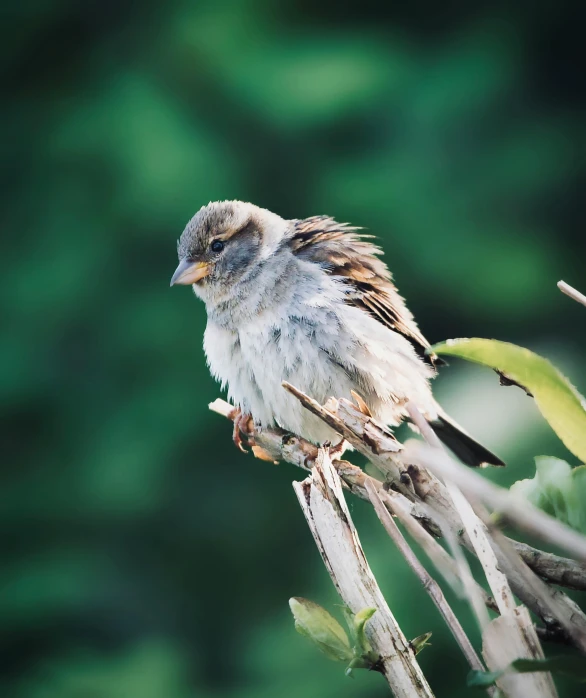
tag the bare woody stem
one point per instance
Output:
(403, 510)
(381, 448)
(572, 292)
(423, 496)
(322, 501)
(513, 634)
(429, 584)
(553, 568)
(498, 558)
(510, 507)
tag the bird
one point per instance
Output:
(308, 301)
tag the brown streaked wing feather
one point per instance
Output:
(345, 252)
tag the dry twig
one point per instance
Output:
(445, 564)
(510, 507)
(553, 568)
(429, 502)
(429, 584)
(513, 634)
(572, 292)
(507, 564)
(322, 500)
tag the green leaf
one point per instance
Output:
(571, 666)
(363, 647)
(315, 623)
(482, 679)
(356, 623)
(318, 625)
(557, 399)
(419, 642)
(558, 490)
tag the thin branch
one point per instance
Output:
(322, 501)
(558, 570)
(553, 607)
(476, 532)
(459, 504)
(572, 292)
(428, 499)
(472, 591)
(497, 581)
(510, 507)
(562, 610)
(568, 615)
(445, 564)
(513, 634)
(429, 584)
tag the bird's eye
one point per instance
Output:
(217, 246)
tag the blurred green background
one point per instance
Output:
(142, 555)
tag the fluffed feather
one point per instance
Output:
(346, 253)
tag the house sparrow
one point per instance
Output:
(310, 302)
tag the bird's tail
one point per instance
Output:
(462, 444)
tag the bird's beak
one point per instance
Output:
(190, 272)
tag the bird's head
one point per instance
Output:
(224, 242)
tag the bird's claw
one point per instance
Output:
(241, 426)
(337, 451)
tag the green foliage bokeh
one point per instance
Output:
(142, 554)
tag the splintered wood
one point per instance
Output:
(322, 501)
(422, 496)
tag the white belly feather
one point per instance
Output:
(328, 349)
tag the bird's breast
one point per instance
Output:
(323, 347)
(255, 358)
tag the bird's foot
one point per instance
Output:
(337, 451)
(242, 425)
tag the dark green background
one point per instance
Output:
(142, 555)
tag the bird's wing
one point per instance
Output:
(346, 253)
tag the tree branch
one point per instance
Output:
(400, 507)
(322, 501)
(553, 568)
(510, 507)
(422, 493)
(570, 291)
(513, 634)
(429, 584)
(552, 606)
